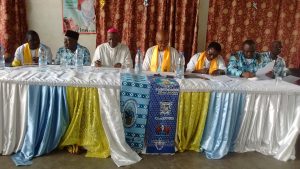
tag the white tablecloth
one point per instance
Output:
(270, 125)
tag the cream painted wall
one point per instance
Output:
(45, 17)
(202, 23)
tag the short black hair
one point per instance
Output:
(249, 42)
(215, 45)
(32, 33)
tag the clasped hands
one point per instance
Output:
(99, 64)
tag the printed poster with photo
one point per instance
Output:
(79, 15)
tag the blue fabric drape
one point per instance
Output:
(222, 124)
(134, 103)
(46, 122)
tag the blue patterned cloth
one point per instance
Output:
(63, 52)
(222, 123)
(162, 117)
(134, 103)
(239, 64)
(279, 68)
(47, 121)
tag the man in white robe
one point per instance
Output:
(208, 62)
(112, 53)
(27, 54)
(162, 57)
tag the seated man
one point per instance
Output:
(112, 53)
(273, 55)
(244, 63)
(27, 54)
(162, 57)
(208, 62)
(70, 46)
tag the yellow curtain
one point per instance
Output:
(85, 127)
(192, 112)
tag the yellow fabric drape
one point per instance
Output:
(85, 128)
(166, 62)
(102, 3)
(27, 58)
(201, 61)
(192, 112)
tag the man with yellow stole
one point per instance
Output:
(208, 62)
(27, 54)
(162, 57)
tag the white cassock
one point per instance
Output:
(194, 60)
(147, 60)
(110, 56)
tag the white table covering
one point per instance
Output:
(270, 125)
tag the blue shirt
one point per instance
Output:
(279, 66)
(238, 64)
(69, 55)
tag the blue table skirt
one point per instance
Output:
(222, 123)
(46, 122)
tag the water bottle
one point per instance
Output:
(2, 60)
(78, 60)
(138, 62)
(42, 59)
(180, 66)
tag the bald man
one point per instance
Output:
(279, 68)
(27, 54)
(112, 53)
(162, 57)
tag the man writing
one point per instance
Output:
(246, 62)
(208, 62)
(27, 54)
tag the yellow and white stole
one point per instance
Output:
(27, 58)
(201, 60)
(166, 61)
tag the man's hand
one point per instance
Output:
(247, 75)
(202, 71)
(118, 65)
(98, 63)
(270, 74)
(218, 72)
(35, 59)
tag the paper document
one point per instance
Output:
(291, 79)
(263, 71)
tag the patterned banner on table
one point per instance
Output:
(134, 103)
(79, 15)
(161, 125)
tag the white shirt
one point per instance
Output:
(147, 61)
(192, 63)
(20, 51)
(110, 56)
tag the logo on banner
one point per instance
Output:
(162, 130)
(159, 144)
(165, 108)
(129, 113)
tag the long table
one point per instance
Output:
(216, 116)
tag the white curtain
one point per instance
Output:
(13, 100)
(270, 125)
(121, 153)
